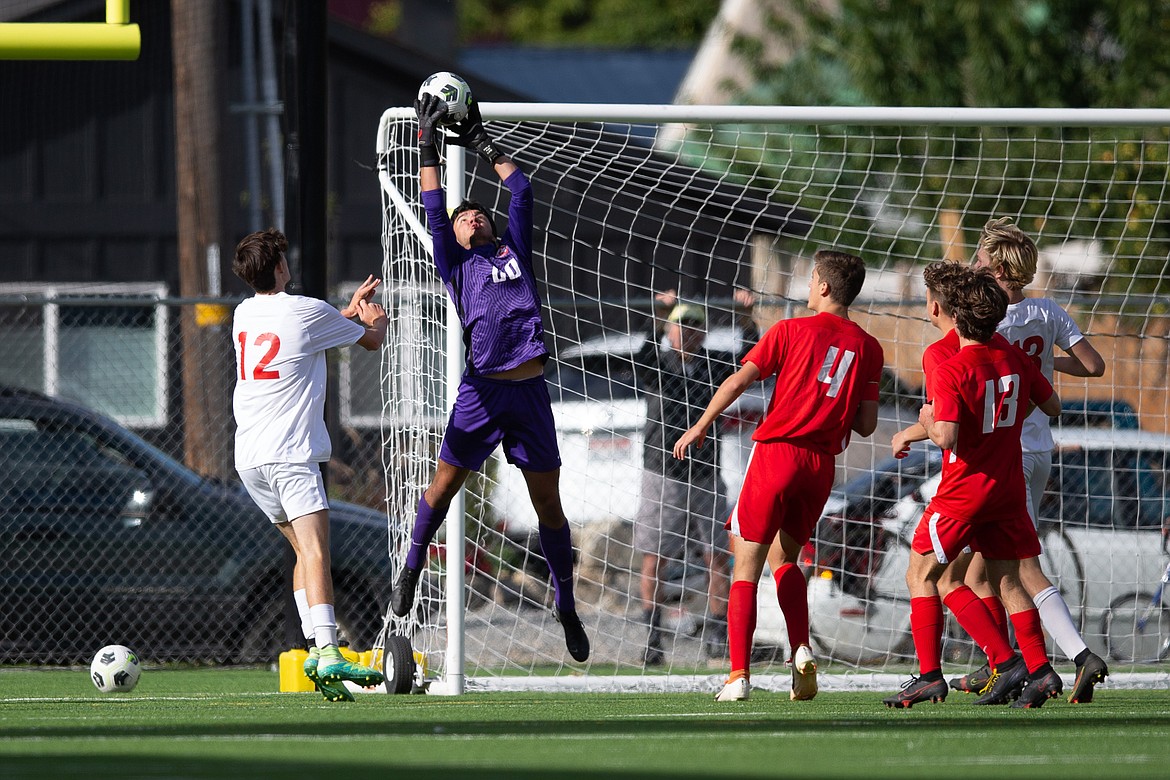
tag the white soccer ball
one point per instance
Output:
(452, 90)
(115, 669)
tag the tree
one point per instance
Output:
(885, 187)
(610, 23)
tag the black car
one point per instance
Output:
(850, 538)
(106, 539)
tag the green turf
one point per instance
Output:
(230, 723)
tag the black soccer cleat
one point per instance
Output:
(402, 599)
(576, 640)
(974, 682)
(654, 655)
(1043, 685)
(1007, 680)
(1091, 672)
(715, 644)
(919, 689)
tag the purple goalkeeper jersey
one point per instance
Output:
(493, 287)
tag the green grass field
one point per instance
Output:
(231, 723)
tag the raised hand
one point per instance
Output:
(470, 132)
(364, 292)
(371, 314)
(430, 111)
(696, 435)
(665, 301)
(745, 299)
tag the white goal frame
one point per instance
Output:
(453, 680)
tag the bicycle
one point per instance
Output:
(1137, 624)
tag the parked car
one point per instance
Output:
(106, 539)
(847, 539)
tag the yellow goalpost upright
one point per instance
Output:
(114, 39)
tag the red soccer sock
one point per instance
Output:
(926, 624)
(1030, 638)
(995, 607)
(977, 621)
(792, 594)
(741, 626)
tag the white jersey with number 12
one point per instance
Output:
(279, 402)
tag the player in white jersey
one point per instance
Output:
(281, 438)
(1037, 326)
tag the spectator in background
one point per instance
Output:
(683, 501)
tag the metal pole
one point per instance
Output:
(456, 515)
(268, 87)
(251, 122)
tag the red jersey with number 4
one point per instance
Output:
(986, 389)
(825, 366)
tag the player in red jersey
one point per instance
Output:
(977, 402)
(827, 373)
(1036, 325)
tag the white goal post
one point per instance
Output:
(636, 200)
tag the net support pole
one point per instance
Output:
(453, 678)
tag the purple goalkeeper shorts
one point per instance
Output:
(488, 411)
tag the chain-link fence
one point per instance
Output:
(121, 517)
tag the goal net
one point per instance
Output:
(636, 201)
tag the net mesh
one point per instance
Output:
(627, 211)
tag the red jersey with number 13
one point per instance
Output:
(986, 389)
(825, 366)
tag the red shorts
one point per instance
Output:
(785, 488)
(998, 540)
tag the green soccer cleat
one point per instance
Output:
(330, 691)
(333, 669)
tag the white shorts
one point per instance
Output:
(286, 491)
(1037, 468)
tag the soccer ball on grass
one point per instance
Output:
(115, 669)
(452, 90)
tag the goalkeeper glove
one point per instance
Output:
(430, 110)
(469, 132)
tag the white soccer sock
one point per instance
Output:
(1058, 621)
(324, 624)
(301, 597)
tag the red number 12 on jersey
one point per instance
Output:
(260, 371)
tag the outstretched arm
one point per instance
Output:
(904, 438)
(470, 132)
(1082, 360)
(430, 111)
(733, 387)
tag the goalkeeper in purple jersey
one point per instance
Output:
(502, 396)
